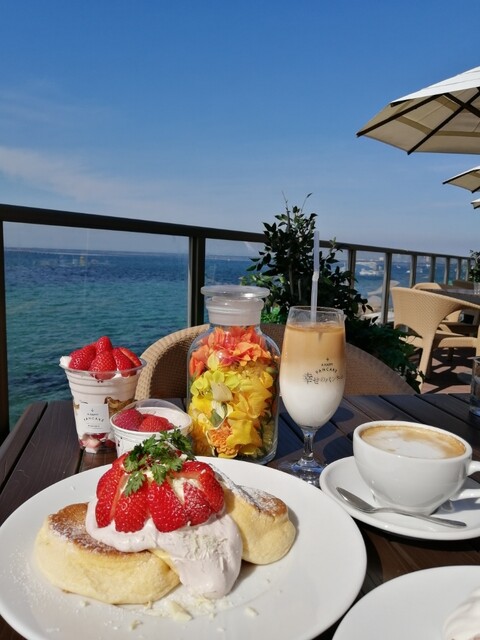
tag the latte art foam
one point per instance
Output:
(413, 442)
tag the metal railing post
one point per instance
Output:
(387, 276)
(196, 280)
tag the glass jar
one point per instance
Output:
(233, 378)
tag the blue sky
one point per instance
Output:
(210, 112)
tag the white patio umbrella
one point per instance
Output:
(476, 203)
(467, 180)
(443, 118)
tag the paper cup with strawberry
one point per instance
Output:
(144, 418)
(102, 379)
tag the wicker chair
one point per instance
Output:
(460, 321)
(422, 315)
(165, 375)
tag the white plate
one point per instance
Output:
(344, 473)
(414, 606)
(322, 574)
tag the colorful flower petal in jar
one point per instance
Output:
(233, 378)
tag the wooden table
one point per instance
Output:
(43, 449)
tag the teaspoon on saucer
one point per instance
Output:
(361, 505)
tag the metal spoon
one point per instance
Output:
(361, 505)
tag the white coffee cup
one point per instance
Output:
(413, 466)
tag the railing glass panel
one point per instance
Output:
(440, 270)
(369, 276)
(423, 271)
(59, 299)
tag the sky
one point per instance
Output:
(218, 113)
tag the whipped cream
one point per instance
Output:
(464, 622)
(207, 557)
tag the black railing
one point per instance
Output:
(197, 237)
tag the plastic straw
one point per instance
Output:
(316, 273)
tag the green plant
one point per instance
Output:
(474, 273)
(285, 267)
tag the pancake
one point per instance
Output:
(76, 562)
(263, 521)
(73, 561)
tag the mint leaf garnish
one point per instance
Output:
(135, 481)
(158, 455)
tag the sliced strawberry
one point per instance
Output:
(117, 470)
(166, 510)
(196, 504)
(129, 419)
(103, 365)
(213, 492)
(81, 359)
(136, 362)
(103, 344)
(205, 476)
(193, 468)
(122, 363)
(131, 511)
(108, 492)
(155, 423)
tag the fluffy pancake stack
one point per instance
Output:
(76, 562)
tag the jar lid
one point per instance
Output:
(234, 291)
(234, 304)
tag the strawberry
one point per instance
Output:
(129, 419)
(113, 471)
(136, 362)
(103, 365)
(103, 344)
(122, 362)
(166, 510)
(155, 423)
(81, 359)
(205, 476)
(131, 510)
(196, 505)
(145, 483)
(108, 490)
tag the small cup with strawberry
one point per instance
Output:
(143, 418)
(102, 379)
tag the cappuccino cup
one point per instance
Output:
(413, 466)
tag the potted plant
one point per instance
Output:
(285, 267)
(474, 272)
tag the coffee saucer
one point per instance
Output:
(344, 473)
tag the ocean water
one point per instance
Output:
(58, 301)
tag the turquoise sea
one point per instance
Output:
(60, 300)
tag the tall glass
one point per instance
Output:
(312, 377)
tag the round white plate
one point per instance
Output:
(344, 473)
(322, 574)
(414, 606)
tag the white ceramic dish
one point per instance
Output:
(126, 439)
(414, 606)
(317, 574)
(344, 473)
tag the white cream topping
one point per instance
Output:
(464, 622)
(207, 557)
